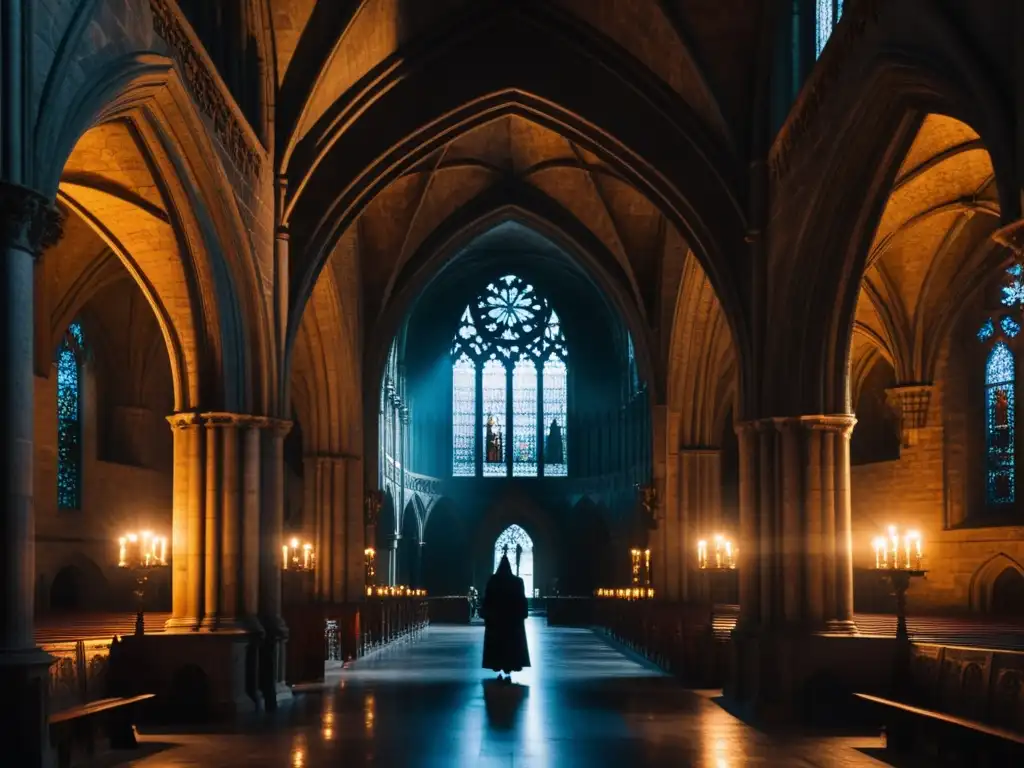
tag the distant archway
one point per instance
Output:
(446, 568)
(998, 587)
(1007, 598)
(517, 544)
(77, 586)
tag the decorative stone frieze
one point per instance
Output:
(206, 89)
(30, 221)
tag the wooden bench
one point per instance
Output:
(946, 739)
(78, 725)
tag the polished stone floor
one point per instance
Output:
(427, 703)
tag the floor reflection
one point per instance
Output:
(429, 703)
(504, 703)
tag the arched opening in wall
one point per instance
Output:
(447, 566)
(515, 544)
(519, 185)
(409, 547)
(927, 265)
(80, 586)
(1007, 597)
(997, 587)
(876, 436)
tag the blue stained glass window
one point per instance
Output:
(494, 383)
(987, 330)
(826, 18)
(464, 417)
(69, 421)
(999, 424)
(555, 422)
(507, 331)
(1010, 326)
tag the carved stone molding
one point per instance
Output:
(206, 89)
(187, 419)
(910, 402)
(842, 423)
(30, 221)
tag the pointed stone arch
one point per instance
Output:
(985, 577)
(198, 273)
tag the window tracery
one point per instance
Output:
(509, 353)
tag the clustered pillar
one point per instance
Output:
(334, 494)
(795, 545)
(227, 529)
(30, 223)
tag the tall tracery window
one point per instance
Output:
(70, 357)
(516, 544)
(510, 379)
(999, 334)
(827, 14)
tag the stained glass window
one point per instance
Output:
(827, 16)
(69, 422)
(1010, 326)
(1013, 287)
(999, 424)
(507, 331)
(555, 422)
(987, 330)
(518, 546)
(464, 417)
(494, 419)
(524, 418)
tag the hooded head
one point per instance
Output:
(504, 567)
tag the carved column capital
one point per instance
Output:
(841, 423)
(30, 221)
(183, 420)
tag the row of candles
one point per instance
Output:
(724, 554)
(142, 550)
(398, 591)
(895, 552)
(298, 557)
(627, 593)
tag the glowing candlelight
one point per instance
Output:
(702, 554)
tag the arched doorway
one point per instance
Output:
(517, 544)
(1008, 593)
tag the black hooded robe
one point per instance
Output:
(504, 612)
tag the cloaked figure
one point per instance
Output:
(504, 612)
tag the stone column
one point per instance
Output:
(30, 224)
(186, 572)
(326, 492)
(796, 559)
(272, 661)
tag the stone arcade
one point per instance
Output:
(771, 255)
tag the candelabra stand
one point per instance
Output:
(900, 579)
(139, 555)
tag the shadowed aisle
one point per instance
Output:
(428, 703)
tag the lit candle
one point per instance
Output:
(284, 555)
(917, 549)
(894, 536)
(728, 554)
(702, 554)
(122, 555)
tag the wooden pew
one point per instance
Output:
(79, 725)
(944, 739)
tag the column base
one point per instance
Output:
(197, 676)
(794, 676)
(24, 707)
